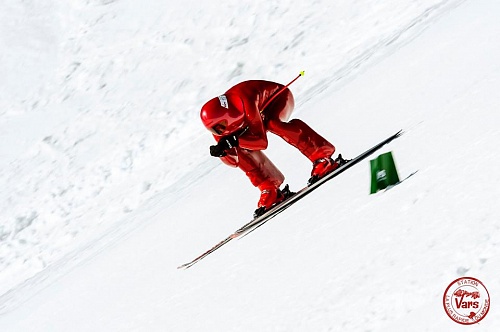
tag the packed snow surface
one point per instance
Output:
(106, 185)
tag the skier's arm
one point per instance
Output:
(229, 157)
(253, 138)
(224, 144)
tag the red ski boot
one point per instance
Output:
(270, 196)
(324, 166)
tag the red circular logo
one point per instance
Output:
(466, 301)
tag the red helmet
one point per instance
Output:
(221, 117)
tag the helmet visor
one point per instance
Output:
(219, 128)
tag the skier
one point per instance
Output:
(239, 121)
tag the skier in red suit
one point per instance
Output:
(239, 121)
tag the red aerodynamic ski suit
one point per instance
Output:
(240, 112)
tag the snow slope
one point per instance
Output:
(100, 99)
(357, 263)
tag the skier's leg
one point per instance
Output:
(303, 137)
(263, 174)
(256, 165)
(300, 135)
(259, 168)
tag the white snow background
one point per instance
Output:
(106, 185)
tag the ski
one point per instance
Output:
(278, 208)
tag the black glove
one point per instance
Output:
(224, 144)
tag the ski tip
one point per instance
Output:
(399, 133)
(183, 267)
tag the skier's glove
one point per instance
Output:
(226, 143)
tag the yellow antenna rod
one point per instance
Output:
(302, 73)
